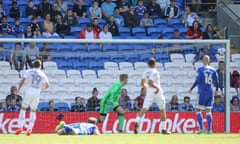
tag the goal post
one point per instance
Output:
(226, 43)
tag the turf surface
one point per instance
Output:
(121, 139)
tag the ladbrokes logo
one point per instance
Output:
(176, 125)
(9, 125)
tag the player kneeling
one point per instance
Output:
(80, 128)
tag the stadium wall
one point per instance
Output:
(181, 122)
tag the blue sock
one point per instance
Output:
(209, 121)
(200, 120)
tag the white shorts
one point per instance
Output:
(31, 98)
(150, 98)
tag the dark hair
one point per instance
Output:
(233, 98)
(17, 43)
(186, 97)
(123, 77)
(77, 98)
(37, 63)
(151, 62)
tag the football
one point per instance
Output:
(221, 51)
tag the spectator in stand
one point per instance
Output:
(173, 105)
(79, 105)
(35, 27)
(217, 105)
(17, 29)
(163, 4)
(61, 28)
(62, 7)
(124, 100)
(95, 11)
(176, 34)
(189, 17)
(70, 19)
(31, 10)
(140, 9)
(118, 19)
(14, 11)
(105, 34)
(28, 32)
(79, 9)
(186, 106)
(96, 26)
(235, 81)
(196, 5)
(194, 32)
(221, 75)
(154, 9)
(108, 8)
(3, 54)
(123, 6)
(54, 13)
(17, 57)
(131, 18)
(112, 27)
(138, 102)
(3, 107)
(5, 27)
(198, 57)
(2, 11)
(13, 95)
(210, 33)
(44, 53)
(47, 24)
(93, 103)
(171, 12)
(235, 104)
(88, 33)
(51, 106)
(44, 8)
(13, 107)
(32, 54)
(146, 21)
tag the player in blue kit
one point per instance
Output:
(205, 80)
(80, 128)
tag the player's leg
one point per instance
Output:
(160, 100)
(33, 106)
(121, 118)
(199, 107)
(208, 106)
(104, 107)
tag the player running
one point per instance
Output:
(81, 128)
(206, 77)
(36, 81)
(151, 82)
(112, 96)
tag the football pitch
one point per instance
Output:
(122, 139)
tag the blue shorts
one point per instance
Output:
(205, 100)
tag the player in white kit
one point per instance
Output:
(151, 82)
(35, 81)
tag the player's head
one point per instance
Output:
(123, 78)
(206, 60)
(37, 63)
(152, 63)
(92, 120)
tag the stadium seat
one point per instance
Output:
(11, 74)
(124, 31)
(88, 74)
(160, 66)
(125, 47)
(4, 65)
(140, 66)
(93, 48)
(80, 65)
(78, 48)
(105, 74)
(135, 74)
(58, 74)
(168, 32)
(76, 91)
(189, 57)
(99, 83)
(74, 74)
(235, 57)
(132, 57)
(176, 23)
(177, 57)
(82, 22)
(160, 22)
(186, 66)
(54, 82)
(109, 48)
(63, 48)
(88, 58)
(138, 31)
(5, 82)
(162, 57)
(167, 74)
(84, 83)
(154, 31)
(48, 65)
(62, 107)
(102, 58)
(60, 93)
(42, 106)
(125, 66)
(118, 58)
(172, 66)
(68, 82)
(145, 57)
(234, 66)
(96, 66)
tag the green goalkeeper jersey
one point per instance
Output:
(112, 94)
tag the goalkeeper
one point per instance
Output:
(81, 128)
(112, 96)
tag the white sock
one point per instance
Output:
(138, 119)
(21, 118)
(163, 125)
(32, 120)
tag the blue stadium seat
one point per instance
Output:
(160, 22)
(72, 58)
(145, 57)
(176, 23)
(82, 22)
(163, 58)
(125, 47)
(93, 48)
(75, 30)
(88, 58)
(78, 48)
(138, 31)
(102, 58)
(65, 65)
(80, 65)
(62, 107)
(132, 57)
(182, 31)
(96, 66)
(101, 22)
(64, 48)
(124, 31)
(42, 106)
(109, 48)
(138, 47)
(168, 32)
(118, 58)
(154, 31)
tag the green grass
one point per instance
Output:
(122, 139)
